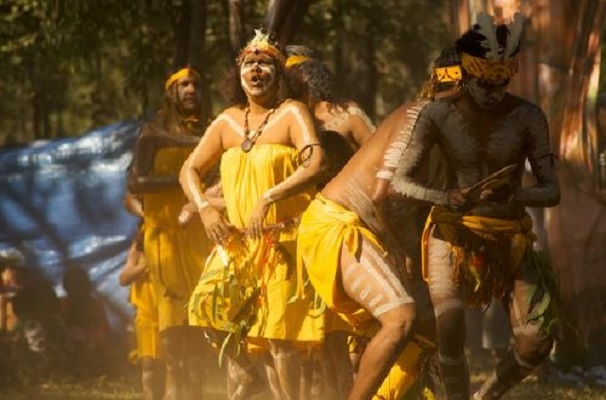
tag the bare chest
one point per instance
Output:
(483, 143)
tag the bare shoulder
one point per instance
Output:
(529, 109)
(402, 114)
(293, 105)
(229, 116)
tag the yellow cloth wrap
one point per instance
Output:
(174, 254)
(406, 371)
(493, 71)
(518, 231)
(253, 281)
(182, 73)
(325, 227)
(143, 298)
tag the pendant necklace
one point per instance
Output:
(250, 140)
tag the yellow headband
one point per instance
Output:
(495, 71)
(182, 73)
(294, 60)
(261, 44)
(452, 73)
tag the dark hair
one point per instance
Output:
(448, 57)
(300, 50)
(318, 79)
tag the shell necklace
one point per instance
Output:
(250, 140)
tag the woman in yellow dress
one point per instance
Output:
(174, 250)
(270, 160)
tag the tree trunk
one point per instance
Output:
(355, 70)
(196, 45)
(181, 29)
(284, 18)
(237, 37)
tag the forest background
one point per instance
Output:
(68, 66)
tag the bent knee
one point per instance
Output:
(399, 320)
(533, 350)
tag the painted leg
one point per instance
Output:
(373, 280)
(382, 351)
(532, 345)
(449, 312)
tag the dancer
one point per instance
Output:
(270, 160)
(477, 241)
(174, 252)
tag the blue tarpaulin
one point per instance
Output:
(61, 206)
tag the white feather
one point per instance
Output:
(488, 29)
(515, 33)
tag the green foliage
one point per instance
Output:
(67, 66)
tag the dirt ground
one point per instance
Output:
(124, 386)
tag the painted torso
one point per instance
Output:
(477, 143)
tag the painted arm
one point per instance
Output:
(413, 143)
(303, 136)
(546, 191)
(206, 154)
(389, 128)
(214, 196)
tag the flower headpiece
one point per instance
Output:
(499, 62)
(262, 43)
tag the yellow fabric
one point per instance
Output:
(143, 298)
(407, 369)
(325, 227)
(247, 274)
(175, 255)
(519, 230)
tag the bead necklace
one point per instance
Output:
(249, 141)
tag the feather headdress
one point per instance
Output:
(497, 64)
(487, 28)
(515, 28)
(262, 42)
